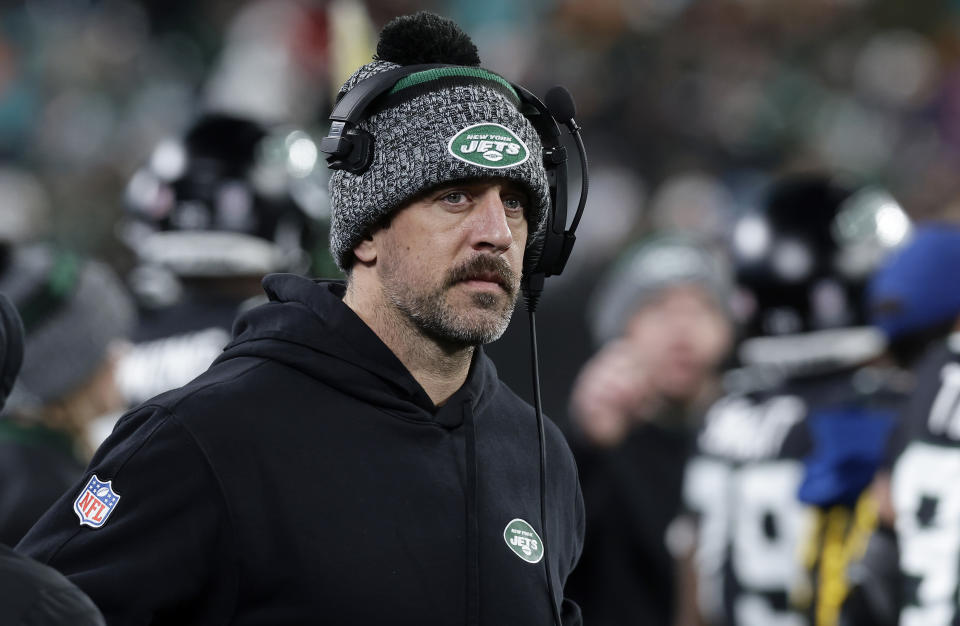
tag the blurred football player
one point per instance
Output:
(809, 414)
(912, 302)
(208, 216)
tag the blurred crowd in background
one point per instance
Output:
(691, 110)
(689, 106)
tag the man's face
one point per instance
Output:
(682, 335)
(451, 260)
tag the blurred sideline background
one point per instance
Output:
(689, 108)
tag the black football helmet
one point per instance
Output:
(232, 197)
(802, 262)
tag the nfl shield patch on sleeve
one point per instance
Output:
(96, 502)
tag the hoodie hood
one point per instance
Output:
(307, 327)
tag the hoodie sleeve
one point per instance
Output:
(146, 530)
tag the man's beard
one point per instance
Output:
(436, 318)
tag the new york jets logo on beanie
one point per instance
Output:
(452, 123)
(488, 145)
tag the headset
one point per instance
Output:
(350, 148)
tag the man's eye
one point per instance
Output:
(513, 204)
(455, 197)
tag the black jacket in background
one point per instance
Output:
(632, 492)
(35, 595)
(37, 465)
(307, 478)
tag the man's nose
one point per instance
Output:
(490, 227)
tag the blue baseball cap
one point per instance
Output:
(915, 289)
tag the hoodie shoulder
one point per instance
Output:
(221, 380)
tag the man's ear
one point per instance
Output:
(366, 250)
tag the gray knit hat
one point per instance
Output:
(72, 309)
(648, 267)
(446, 124)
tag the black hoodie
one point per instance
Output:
(307, 478)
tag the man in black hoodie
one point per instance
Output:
(352, 457)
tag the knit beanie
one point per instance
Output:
(71, 309)
(649, 267)
(453, 123)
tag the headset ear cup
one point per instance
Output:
(361, 152)
(549, 253)
(548, 256)
(534, 261)
(353, 153)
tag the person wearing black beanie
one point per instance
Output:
(76, 316)
(31, 593)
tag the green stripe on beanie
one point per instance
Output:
(450, 72)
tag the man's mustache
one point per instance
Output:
(484, 267)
